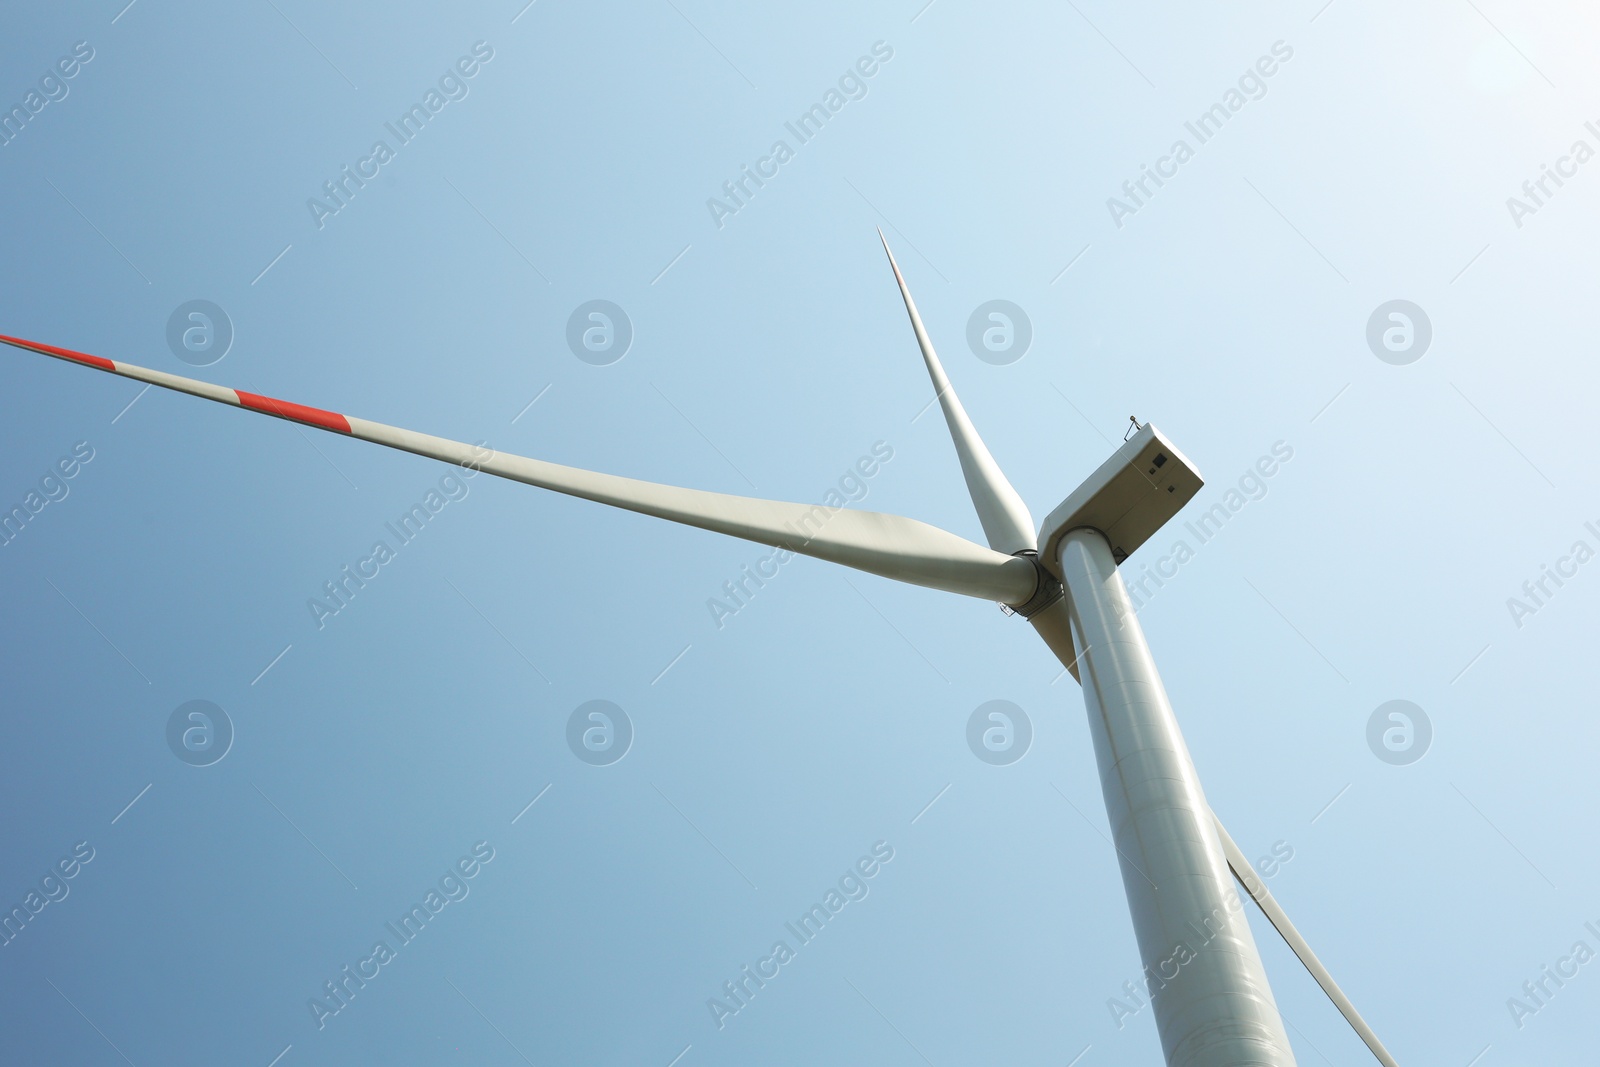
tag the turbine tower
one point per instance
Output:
(1212, 1003)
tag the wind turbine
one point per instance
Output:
(1212, 1003)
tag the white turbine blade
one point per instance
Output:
(1257, 889)
(887, 545)
(1005, 518)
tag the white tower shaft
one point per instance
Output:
(1213, 1006)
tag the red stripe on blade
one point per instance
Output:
(328, 420)
(61, 353)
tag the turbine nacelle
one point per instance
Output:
(1127, 499)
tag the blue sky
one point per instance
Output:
(769, 352)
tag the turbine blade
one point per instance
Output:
(1253, 885)
(1006, 521)
(890, 546)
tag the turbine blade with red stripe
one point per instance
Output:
(891, 546)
